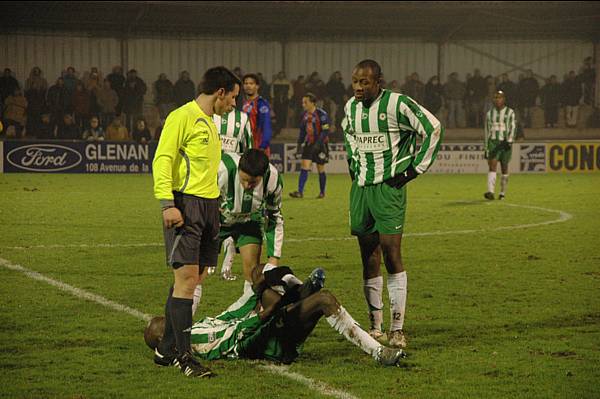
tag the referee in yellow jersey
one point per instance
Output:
(185, 181)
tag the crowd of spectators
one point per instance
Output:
(93, 107)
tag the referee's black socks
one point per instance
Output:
(181, 312)
(167, 344)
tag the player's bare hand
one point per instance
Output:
(172, 218)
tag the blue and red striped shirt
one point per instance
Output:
(314, 127)
(259, 114)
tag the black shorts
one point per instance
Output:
(197, 241)
(316, 152)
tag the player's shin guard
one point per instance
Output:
(322, 182)
(373, 289)
(181, 312)
(343, 323)
(196, 298)
(167, 344)
(228, 255)
(302, 180)
(503, 184)
(491, 182)
(397, 284)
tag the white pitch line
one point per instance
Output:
(78, 292)
(563, 217)
(312, 384)
(317, 386)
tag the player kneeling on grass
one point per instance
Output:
(276, 322)
(250, 188)
(500, 127)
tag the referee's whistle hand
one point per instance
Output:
(172, 218)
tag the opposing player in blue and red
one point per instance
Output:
(312, 143)
(259, 113)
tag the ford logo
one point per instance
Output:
(44, 158)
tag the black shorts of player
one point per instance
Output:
(197, 241)
(316, 152)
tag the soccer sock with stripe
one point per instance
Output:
(503, 184)
(322, 182)
(181, 313)
(343, 323)
(373, 289)
(228, 254)
(196, 298)
(491, 182)
(302, 180)
(396, 285)
(167, 344)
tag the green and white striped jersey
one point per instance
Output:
(241, 206)
(235, 130)
(233, 332)
(500, 125)
(381, 140)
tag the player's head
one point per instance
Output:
(366, 81)
(499, 99)
(253, 166)
(154, 331)
(222, 83)
(251, 84)
(309, 102)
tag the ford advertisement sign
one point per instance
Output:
(44, 158)
(76, 157)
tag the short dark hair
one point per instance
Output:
(254, 162)
(218, 78)
(311, 97)
(252, 76)
(373, 65)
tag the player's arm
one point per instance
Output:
(512, 127)
(486, 133)
(431, 131)
(248, 138)
(349, 144)
(274, 227)
(264, 123)
(223, 182)
(428, 127)
(325, 123)
(162, 168)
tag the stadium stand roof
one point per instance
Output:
(281, 20)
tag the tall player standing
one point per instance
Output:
(236, 137)
(380, 132)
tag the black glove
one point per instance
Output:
(401, 179)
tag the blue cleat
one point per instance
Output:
(314, 283)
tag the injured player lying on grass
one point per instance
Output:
(276, 322)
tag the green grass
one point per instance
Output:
(512, 313)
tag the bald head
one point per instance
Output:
(154, 332)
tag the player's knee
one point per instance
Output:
(327, 301)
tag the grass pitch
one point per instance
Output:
(495, 309)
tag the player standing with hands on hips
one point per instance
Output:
(500, 128)
(380, 133)
(185, 181)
